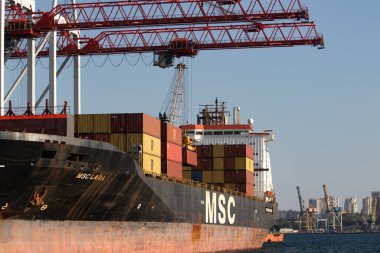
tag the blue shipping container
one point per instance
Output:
(196, 175)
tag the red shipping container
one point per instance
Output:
(171, 151)
(119, 123)
(42, 124)
(245, 177)
(246, 188)
(143, 123)
(172, 169)
(204, 151)
(205, 163)
(229, 163)
(171, 133)
(241, 150)
(189, 157)
(229, 176)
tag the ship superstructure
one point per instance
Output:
(212, 128)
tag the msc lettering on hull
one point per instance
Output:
(87, 176)
(218, 210)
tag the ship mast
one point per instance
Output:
(213, 114)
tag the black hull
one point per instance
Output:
(93, 181)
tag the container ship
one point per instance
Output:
(132, 183)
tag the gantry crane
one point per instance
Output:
(333, 213)
(175, 103)
(307, 216)
(168, 28)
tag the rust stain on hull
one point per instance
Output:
(18, 236)
(196, 235)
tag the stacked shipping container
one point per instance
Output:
(229, 166)
(171, 150)
(123, 131)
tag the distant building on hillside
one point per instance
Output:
(333, 201)
(317, 204)
(376, 194)
(288, 215)
(351, 205)
(367, 206)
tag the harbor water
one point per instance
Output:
(325, 243)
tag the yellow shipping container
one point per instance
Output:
(186, 174)
(186, 168)
(230, 186)
(243, 163)
(150, 145)
(119, 141)
(84, 123)
(102, 123)
(218, 177)
(151, 164)
(218, 150)
(218, 164)
(207, 177)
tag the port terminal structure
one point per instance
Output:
(307, 216)
(167, 28)
(308, 221)
(333, 214)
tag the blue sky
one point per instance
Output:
(322, 104)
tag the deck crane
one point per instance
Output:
(175, 103)
(334, 213)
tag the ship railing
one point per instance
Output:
(198, 184)
(25, 111)
(30, 110)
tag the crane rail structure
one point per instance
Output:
(105, 15)
(187, 41)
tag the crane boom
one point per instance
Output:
(104, 15)
(175, 105)
(301, 201)
(187, 41)
(328, 207)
